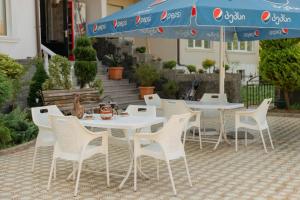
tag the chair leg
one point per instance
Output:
(263, 141)
(34, 157)
(194, 133)
(107, 170)
(74, 170)
(135, 173)
(157, 169)
(54, 168)
(200, 137)
(246, 138)
(271, 141)
(236, 139)
(78, 177)
(171, 177)
(51, 173)
(184, 137)
(187, 171)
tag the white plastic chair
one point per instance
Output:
(212, 115)
(254, 120)
(153, 100)
(72, 144)
(177, 107)
(46, 137)
(167, 146)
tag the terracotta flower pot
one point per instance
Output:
(145, 91)
(115, 73)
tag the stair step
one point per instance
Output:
(122, 91)
(119, 83)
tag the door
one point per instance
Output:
(54, 26)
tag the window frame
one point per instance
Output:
(202, 44)
(8, 22)
(239, 47)
(5, 20)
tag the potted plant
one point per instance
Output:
(146, 76)
(208, 64)
(169, 64)
(141, 49)
(115, 71)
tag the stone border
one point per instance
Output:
(17, 148)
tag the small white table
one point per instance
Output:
(221, 107)
(129, 124)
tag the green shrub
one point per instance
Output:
(227, 67)
(59, 74)
(192, 68)
(201, 71)
(146, 75)
(21, 129)
(85, 61)
(97, 84)
(37, 81)
(5, 137)
(170, 89)
(10, 67)
(207, 64)
(141, 49)
(6, 89)
(169, 64)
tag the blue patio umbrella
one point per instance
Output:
(204, 20)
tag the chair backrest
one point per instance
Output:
(170, 135)
(70, 134)
(153, 100)
(262, 110)
(141, 110)
(40, 115)
(214, 98)
(174, 107)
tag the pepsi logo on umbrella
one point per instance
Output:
(285, 31)
(194, 11)
(164, 16)
(257, 33)
(218, 14)
(266, 16)
(160, 30)
(137, 20)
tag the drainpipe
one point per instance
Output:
(38, 28)
(178, 52)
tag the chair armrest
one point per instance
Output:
(151, 136)
(44, 127)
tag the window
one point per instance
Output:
(199, 44)
(236, 45)
(3, 22)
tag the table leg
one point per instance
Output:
(223, 126)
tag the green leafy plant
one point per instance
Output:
(207, 64)
(37, 81)
(17, 127)
(280, 64)
(169, 64)
(227, 67)
(5, 137)
(192, 68)
(141, 49)
(98, 84)
(10, 67)
(85, 61)
(146, 75)
(201, 71)
(59, 74)
(112, 60)
(170, 89)
(6, 89)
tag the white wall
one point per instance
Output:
(21, 41)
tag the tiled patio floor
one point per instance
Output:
(220, 174)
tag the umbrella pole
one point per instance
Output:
(221, 61)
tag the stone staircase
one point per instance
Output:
(122, 92)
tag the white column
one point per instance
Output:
(221, 61)
(103, 8)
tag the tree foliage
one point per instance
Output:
(146, 75)
(86, 64)
(6, 89)
(37, 81)
(10, 67)
(59, 74)
(280, 64)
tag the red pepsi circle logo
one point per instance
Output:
(95, 27)
(194, 11)
(164, 15)
(160, 29)
(137, 19)
(266, 16)
(115, 23)
(257, 33)
(218, 14)
(285, 31)
(194, 32)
